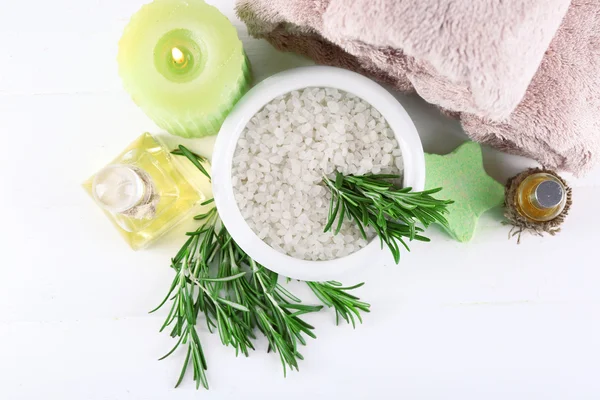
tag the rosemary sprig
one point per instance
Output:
(237, 296)
(346, 305)
(194, 158)
(373, 201)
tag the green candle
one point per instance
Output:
(184, 65)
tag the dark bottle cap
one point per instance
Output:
(549, 194)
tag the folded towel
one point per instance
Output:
(519, 74)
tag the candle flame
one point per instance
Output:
(177, 55)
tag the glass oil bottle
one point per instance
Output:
(541, 197)
(146, 191)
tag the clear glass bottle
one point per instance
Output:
(541, 197)
(146, 191)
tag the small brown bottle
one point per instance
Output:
(540, 197)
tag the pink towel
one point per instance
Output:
(519, 74)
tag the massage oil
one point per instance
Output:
(146, 191)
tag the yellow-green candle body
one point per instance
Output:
(184, 65)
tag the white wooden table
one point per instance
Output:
(483, 320)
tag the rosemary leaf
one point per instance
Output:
(392, 213)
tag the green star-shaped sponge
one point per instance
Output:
(464, 180)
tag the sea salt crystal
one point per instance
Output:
(276, 159)
(399, 163)
(360, 121)
(305, 128)
(367, 163)
(333, 106)
(338, 158)
(295, 167)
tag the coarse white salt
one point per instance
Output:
(282, 155)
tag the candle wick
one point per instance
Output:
(178, 56)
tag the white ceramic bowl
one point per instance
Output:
(250, 104)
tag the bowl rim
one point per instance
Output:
(226, 143)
